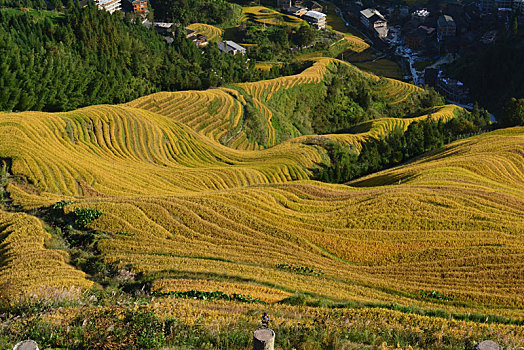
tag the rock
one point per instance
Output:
(488, 345)
(26, 345)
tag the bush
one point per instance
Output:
(84, 216)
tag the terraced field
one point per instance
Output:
(378, 128)
(187, 206)
(264, 15)
(213, 33)
(26, 266)
(372, 244)
(121, 151)
(218, 113)
(190, 213)
(394, 91)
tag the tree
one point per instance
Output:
(304, 35)
(513, 113)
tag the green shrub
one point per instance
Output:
(214, 295)
(84, 216)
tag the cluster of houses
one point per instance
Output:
(311, 12)
(199, 40)
(426, 33)
(138, 7)
(453, 89)
(373, 20)
(448, 25)
(165, 29)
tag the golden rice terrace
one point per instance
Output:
(193, 204)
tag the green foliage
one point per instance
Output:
(305, 35)
(87, 57)
(255, 125)
(344, 99)
(60, 205)
(214, 295)
(297, 299)
(105, 329)
(433, 294)
(84, 216)
(274, 42)
(398, 146)
(304, 270)
(194, 11)
(125, 234)
(513, 114)
(495, 73)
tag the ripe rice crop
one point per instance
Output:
(266, 294)
(213, 33)
(27, 267)
(394, 91)
(373, 244)
(264, 15)
(216, 217)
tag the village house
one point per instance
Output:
(446, 27)
(420, 15)
(298, 11)
(231, 47)
(316, 19)
(198, 39)
(190, 33)
(374, 20)
(109, 5)
(139, 6)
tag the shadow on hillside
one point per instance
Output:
(379, 180)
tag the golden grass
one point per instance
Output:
(266, 66)
(374, 244)
(216, 316)
(383, 67)
(121, 151)
(218, 113)
(394, 91)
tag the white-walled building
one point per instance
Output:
(315, 18)
(109, 5)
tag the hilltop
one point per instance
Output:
(262, 114)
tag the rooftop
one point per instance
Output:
(295, 9)
(368, 13)
(233, 45)
(421, 13)
(446, 19)
(315, 14)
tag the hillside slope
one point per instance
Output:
(117, 150)
(186, 212)
(220, 114)
(453, 226)
(372, 244)
(191, 208)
